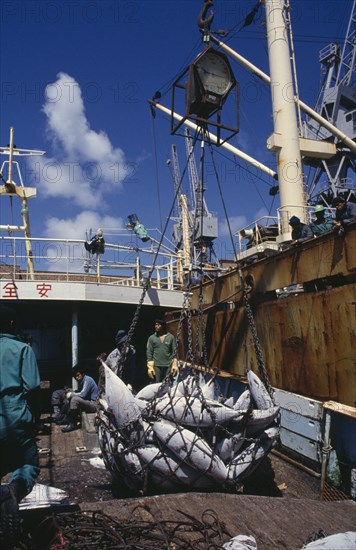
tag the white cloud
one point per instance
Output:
(85, 165)
(71, 257)
(236, 223)
(76, 227)
(65, 179)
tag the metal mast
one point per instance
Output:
(195, 217)
(176, 178)
(204, 223)
(196, 189)
(286, 134)
(181, 230)
(337, 103)
(10, 188)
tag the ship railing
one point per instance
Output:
(305, 213)
(265, 233)
(67, 260)
(253, 237)
(308, 214)
(266, 236)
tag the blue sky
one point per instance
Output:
(76, 77)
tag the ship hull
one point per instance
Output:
(303, 303)
(307, 337)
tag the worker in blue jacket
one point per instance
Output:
(345, 213)
(82, 399)
(300, 231)
(19, 410)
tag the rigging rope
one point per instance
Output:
(151, 270)
(246, 22)
(221, 194)
(95, 529)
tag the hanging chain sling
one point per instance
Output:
(256, 342)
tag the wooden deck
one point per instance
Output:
(276, 523)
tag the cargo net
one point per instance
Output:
(180, 435)
(85, 530)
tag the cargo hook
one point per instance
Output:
(204, 22)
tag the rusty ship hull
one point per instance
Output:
(308, 338)
(303, 303)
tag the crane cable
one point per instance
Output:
(220, 193)
(257, 346)
(151, 270)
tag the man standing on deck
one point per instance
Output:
(19, 410)
(160, 353)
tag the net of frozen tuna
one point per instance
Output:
(179, 436)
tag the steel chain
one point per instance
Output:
(135, 319)
(256, 342)
(190, 355)
(204, 352)
(185, 306)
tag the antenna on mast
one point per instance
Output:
(10, 188)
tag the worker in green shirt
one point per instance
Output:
(19, 409)
(321, 224)
(160, 353)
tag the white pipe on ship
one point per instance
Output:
(304, 107)
(214, 139)
(290, 173)
(75, 343)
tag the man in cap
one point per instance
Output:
(345, 213)
(160, 353)
(123, 358)
(300, 231)
(321, 224)
(19, 407)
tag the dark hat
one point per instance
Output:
(120, 337)
(294, 220)
(160, 322)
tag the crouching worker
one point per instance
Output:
(82, 399)
(19, 411)
(60, 405)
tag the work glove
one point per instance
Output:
(174, 367)
(69, 395)
(151, 369)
